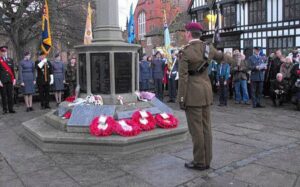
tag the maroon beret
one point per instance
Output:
(3, 48)
(193, 26)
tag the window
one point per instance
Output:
(291, 9)
(229, 16)
(202, 19)
(142, 25)
(149, 41)
(283, 43)
(257, 12)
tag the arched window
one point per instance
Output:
(142, 25)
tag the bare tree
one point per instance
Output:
(20, 21)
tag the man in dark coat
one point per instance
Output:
(278, 90)
(158, 66)
(195, 93)
(145, 74)
(7, 80)
(173, 76)
(258, 68)
(44, 79)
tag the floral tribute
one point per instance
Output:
(166, 121)
(102, 126)
(70, 99)
(67, 115)
(127, 128)
(144, 119)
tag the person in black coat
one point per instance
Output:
(7, 80)
(44, 79)
(173, 77)
(278, 90)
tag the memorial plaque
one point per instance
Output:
(82, 72)
(161, 106)
(83, 115)
(123, 72)
(100, 73)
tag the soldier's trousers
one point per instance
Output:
(44, 94)
(7, 96)
(199, 124)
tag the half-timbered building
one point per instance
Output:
(269, 24)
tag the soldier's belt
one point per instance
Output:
(199, 70)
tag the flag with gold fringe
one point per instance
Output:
(88, 35)
(46, 32)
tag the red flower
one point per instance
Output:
(105, 129)
(147, 123)
(68, 115)
(70, 99)
(167, 123)
(127, 128)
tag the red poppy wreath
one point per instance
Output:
(144, 119)
(166, 121)
(70, 99)
(67, 115)
(127, 128)
(102, 126)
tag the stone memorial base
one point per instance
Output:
(52, 133)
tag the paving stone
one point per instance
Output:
(225, 180)
(11, 183)
(287, 160)
(161, 170)
(272, 138)
(50, 177)
(264, 176)
(32, 164)
(248, 125)
(93, 173)
(6, 172)
(195, 183)
(298, 182)
(233, 130)
(73, 159)
(127, 180)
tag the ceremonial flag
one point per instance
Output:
(216, 36)
(88, 35)
(130, 26)
(167, 41)
(46, 33)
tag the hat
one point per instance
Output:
(3, 48)
(26, 53)
(193, 26)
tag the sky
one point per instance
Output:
(124, 9)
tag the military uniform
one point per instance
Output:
(44, 80)
(195, 97)
(7, 81)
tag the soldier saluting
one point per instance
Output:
(44, 79)
(7, 80)
(195, 93)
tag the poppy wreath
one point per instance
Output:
(102, 126)
(166, 121)
(70, 99)
(127, 128)
(67, 115)
(144, 119)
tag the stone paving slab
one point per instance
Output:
(52, 176)
(257, 148)
(264, 176)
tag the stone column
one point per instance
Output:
(107, 22)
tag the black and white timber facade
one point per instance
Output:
(269, 24)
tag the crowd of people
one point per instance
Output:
(41, 76)
(247, 80)
(276, 76)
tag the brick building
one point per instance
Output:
(149, 19)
